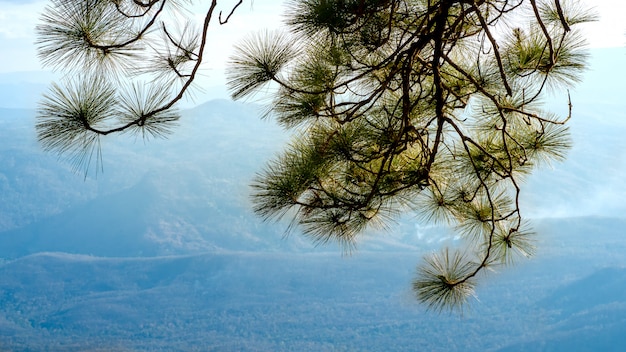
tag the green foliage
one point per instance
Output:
(137, 100)
(442, 281)
(429, 107)
(66, 111)
(109, 50)
(262, 58)
(75, 33)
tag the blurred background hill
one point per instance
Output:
(161, 251)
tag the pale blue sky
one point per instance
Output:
(18, 19)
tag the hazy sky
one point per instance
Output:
(19, 17)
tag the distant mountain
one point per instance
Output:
(251, 301)
(151, 200)
(187, 194)
(603, 287)
(190, 192)
(589, 314)
(23, 90)
(227, 301)
(579, 290)
(112, 225)
(21, 95)
(33, 184)
(196, 270)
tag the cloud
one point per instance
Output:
(18, 19)
(17, 34)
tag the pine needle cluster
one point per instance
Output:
(430, 107)
(125, 65)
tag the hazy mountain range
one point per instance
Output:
(162, 251)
